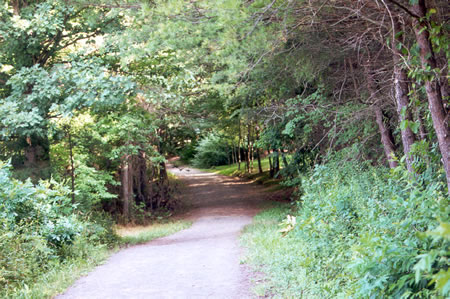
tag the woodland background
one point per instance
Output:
(348, 101)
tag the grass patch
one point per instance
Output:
(274, 256)
(61, 275)
(260, 178)
(232, 169)
(132, 235)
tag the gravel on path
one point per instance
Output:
(200, 262)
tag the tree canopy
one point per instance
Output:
(96, 95)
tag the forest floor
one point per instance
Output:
(199, 262)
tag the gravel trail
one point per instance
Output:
(200, 262)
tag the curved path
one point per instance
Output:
(200, 262)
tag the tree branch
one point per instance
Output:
(404, 8)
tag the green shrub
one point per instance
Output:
(364, 232)
(211, 151)
(39, 230)
(45, 207)
(361, 232)
(91, 187)
(23, 255)
(187, 153)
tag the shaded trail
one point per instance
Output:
(199, 262)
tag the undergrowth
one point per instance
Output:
(46, 243)
(360, 233)
(275, 256)
(59, 276)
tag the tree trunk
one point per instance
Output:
(439, 114)
(125, 182)
(276, 161)
(163, 172)
(402, 98)
(271, 172)
(72, 168)
(283, 157)
(258, 150)
(258, 156)
(248, 148)
(233, 160)
(239, 147)
(31, 155)
(142, 185)
(386, 135)
(422, 129)
(16, 7)
(251, 153)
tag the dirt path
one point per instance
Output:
(200, 262)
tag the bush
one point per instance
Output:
(91, 187)
(364, 233)
(187, 153)
(211, 151)
(39, 229)
(23, 255)
(361, 232)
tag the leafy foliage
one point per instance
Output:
(38, 95)
(359, 233)
(364, 234)
(35, 220)
(212, 150)
(95, 95)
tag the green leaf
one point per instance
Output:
(443, 231)
(414, 127)
(404, 124)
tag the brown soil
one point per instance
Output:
(200, 262)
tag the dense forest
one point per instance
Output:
(347, 99)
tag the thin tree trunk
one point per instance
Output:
(125, 182)
(386, 135)
(72, 168)
(402, 98)
(239, 147)
(251, 155)
(258, 156)
(233, 161)
(276, 161)
(248, 148)
(422, 130)
(16, 7)
(439, 114)
(283, 157)
(30, 155)
(258, 150)
(271, 172)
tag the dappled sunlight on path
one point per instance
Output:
(200, 262)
